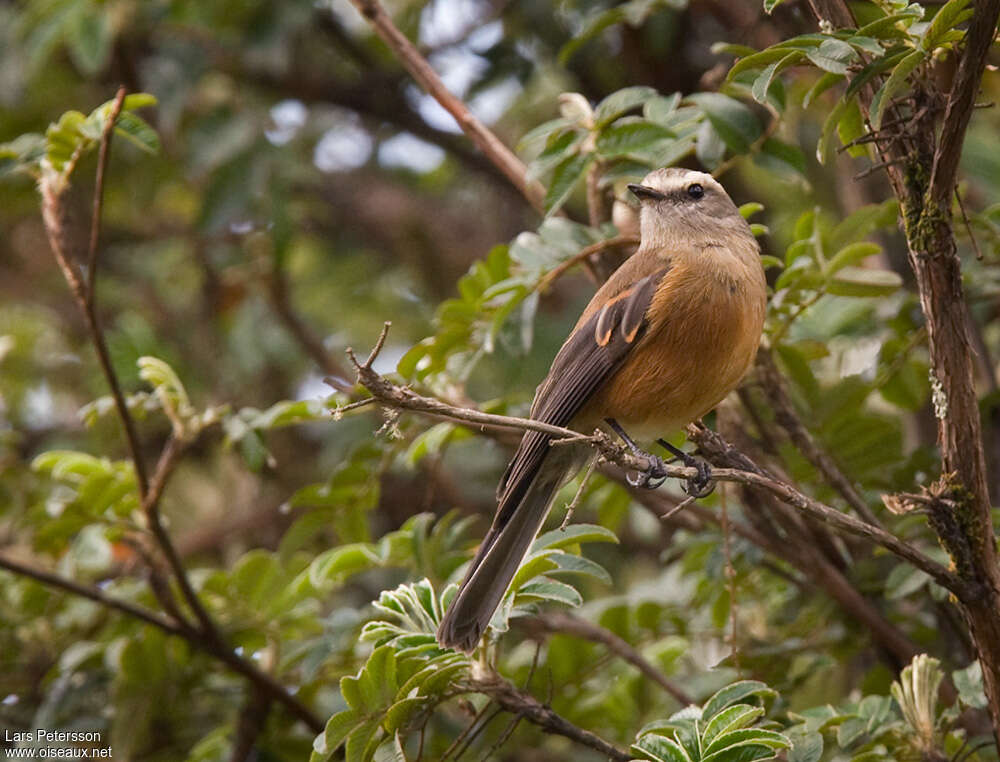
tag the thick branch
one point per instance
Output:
(527, 706)
(961, 100)
(511, 166)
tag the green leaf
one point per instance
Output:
(893, 85)
(861, 282)
(788, 155)
(627, 138)
(823, 84)
(138, 132)
(829, 125)
(735, 123)
(770, 5)
(762, 84)
(660, 749)
(969, 683)
(947, 18)
(337, 564)
(565, 177)
(621, 102)
(806, 746)
(733, 718)
(851, 255)
(89, 39)
(851, 127)
(547, 589)
(833, 56)
(574, 534)
(734, 694)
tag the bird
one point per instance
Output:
(660, 344)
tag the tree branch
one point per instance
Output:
(262, 680)
(102, 165)
(962, 99)
(739, 468)
(511, 166)
(525, 705)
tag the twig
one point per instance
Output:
(575, 502)
(457, 743)
(968, 226)
(102, 164)
(583, 255)
(94, 594)
(264, 681)
(730, 574)
(880, 165)
(561, 621)
(679, 507)
(788, 418)
(511, 166)
(172, 452)
(527, 706)
(277, 285)
(401, 398)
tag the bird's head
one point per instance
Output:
(683, 203)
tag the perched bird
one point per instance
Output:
(662, 342)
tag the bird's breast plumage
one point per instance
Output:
(704, 326)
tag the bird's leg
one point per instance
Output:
(655, 474)
(701, 485)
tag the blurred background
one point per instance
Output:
(306, 191)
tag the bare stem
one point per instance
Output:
(487, 142)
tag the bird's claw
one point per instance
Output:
(654, 475)
(702, 485)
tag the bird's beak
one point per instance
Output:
(644, 192)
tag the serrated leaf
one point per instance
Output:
(733, 694)
(660, 749)
(733, 718)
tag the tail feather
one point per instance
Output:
(497, 561)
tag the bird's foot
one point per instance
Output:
(702, 484)
(655, 473)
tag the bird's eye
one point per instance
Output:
(695, 191)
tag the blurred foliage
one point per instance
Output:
(277, 189)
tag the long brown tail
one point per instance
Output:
(498, 559)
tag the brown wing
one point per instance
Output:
(588, 358)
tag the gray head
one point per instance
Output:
(679, 202)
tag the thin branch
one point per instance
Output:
(716, 449)
(96, 595)
(102, 164)
(561, 621)
(582, 256)
(397, 397)
(527, 706)
(788, 418)
(511, 166)
(151, 506)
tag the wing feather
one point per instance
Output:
(587, 359)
